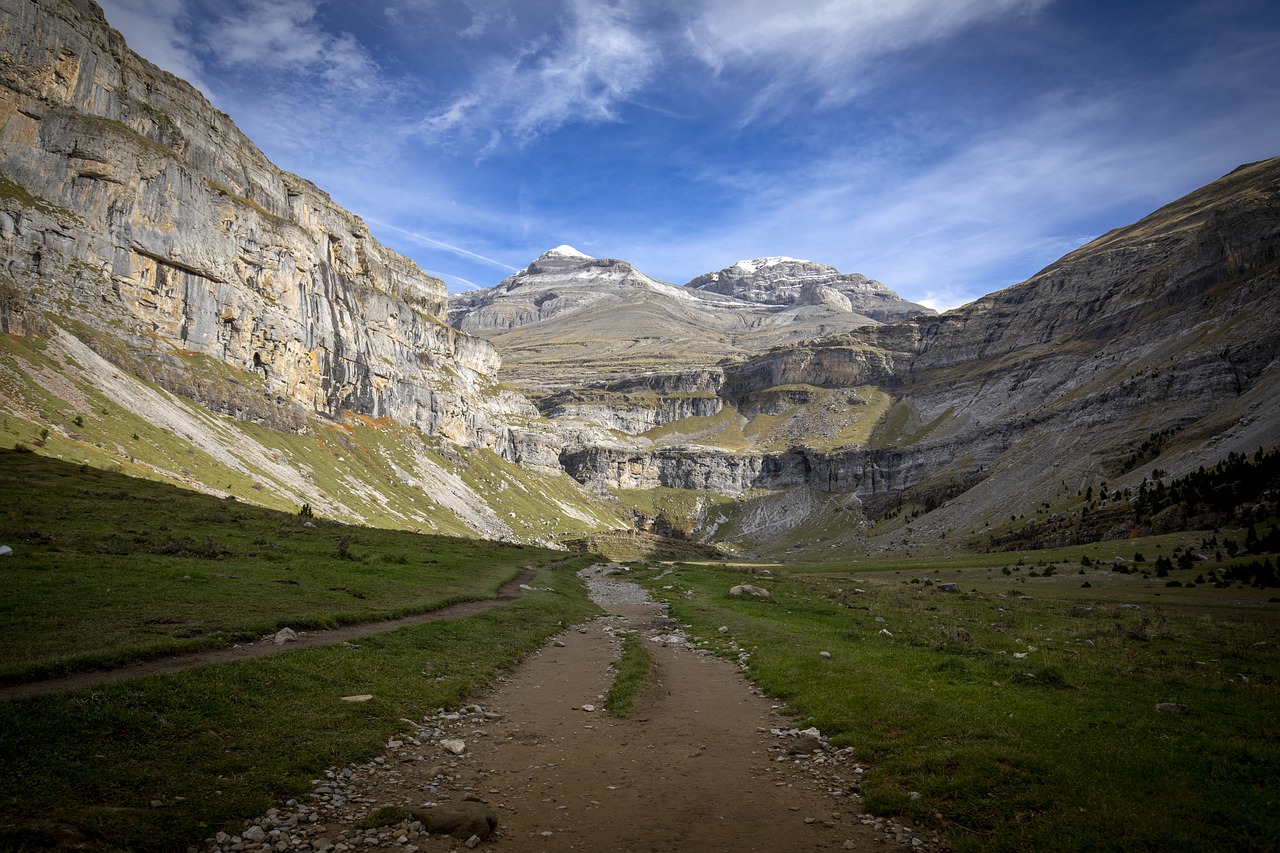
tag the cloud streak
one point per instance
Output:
(598, 62)
(827, 46)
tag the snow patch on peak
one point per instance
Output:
(757, 264)
(566, 251)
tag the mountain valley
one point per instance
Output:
(176, 307)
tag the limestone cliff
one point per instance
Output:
(1168, 326)
(137, 214)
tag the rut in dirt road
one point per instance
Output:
(702, 763)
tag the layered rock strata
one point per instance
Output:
(134, 209)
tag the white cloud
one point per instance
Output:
(599, 61)
(284, 36)
(157, 29)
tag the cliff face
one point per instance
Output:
(1167, 327)
(133, 208)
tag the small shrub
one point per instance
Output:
(19, 447)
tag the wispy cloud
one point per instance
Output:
(827, 46)
(284, 35)
(599, 61)
(159, 30)
(438, 244)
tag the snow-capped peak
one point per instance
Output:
(565, 251)
(757, 264)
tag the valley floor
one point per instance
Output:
(703, 762)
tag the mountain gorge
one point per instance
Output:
(174, 305)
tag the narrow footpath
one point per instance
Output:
(509, 591)
(703, 763)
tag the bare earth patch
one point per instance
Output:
(702, 763)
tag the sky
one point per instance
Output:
(948, 148)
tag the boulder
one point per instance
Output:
(748, 589)
(461, 820)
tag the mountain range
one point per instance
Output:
(175, 306)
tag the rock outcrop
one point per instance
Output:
(788, 281)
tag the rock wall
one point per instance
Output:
(135, 209)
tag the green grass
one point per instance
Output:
(109, 569)
(1059, 750)
(631, 675)
(218, 744)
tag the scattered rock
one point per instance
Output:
(359, 697)
(804, 745)
(916, 795)
(724, 629)
(826, 655)
(457, 747)
(6, 551)
(950, 586)
(285, 635)
(461, 820)
(1170, 708)
(748, 589)
(1128, 607)
(886, 632)
(254, 834)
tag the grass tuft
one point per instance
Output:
(631, 675)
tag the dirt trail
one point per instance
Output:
(509, 591)
(694, 767)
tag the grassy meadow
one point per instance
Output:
(1022, 710)
(1020, 707)
(109, 569)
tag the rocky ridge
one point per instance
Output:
(788, 281)
(572, 321)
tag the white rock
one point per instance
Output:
(285, 635)
(359, 697)
(457, 747)
(6, 551)
(588, 708)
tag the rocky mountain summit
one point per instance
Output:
(788, 281)
(175, 306)
(569, 320)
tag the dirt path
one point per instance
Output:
(509, 591)
(698, 765)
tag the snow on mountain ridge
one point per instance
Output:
(564, 250)
(754, 265)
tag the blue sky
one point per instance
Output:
(948, 148)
